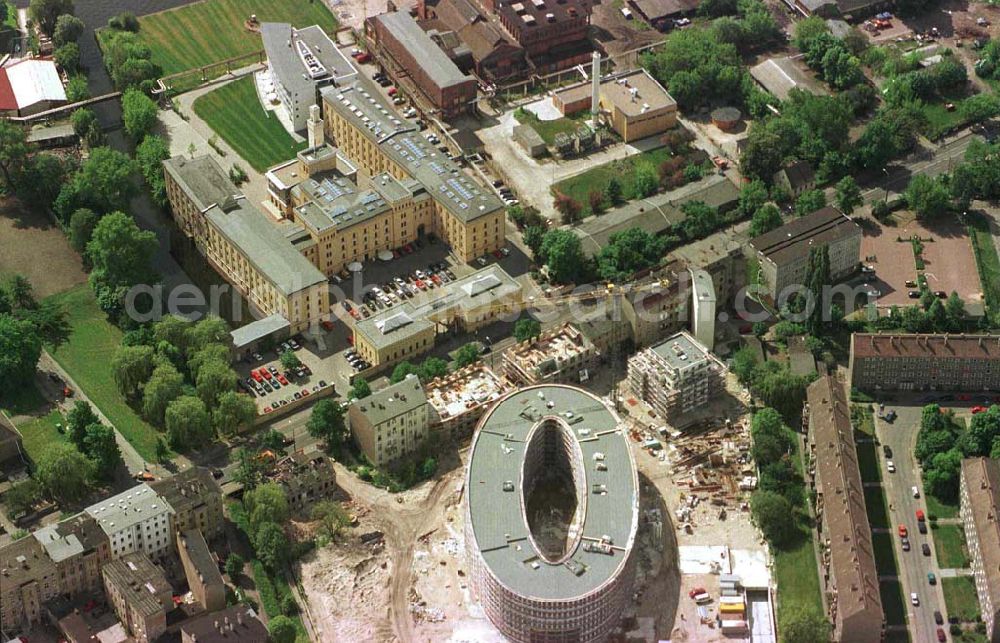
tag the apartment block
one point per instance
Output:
(136, 520)
(398, 35)
(305, 476)
(237, 623)
(911, 362)
(783, 253)
(201, 570)
(466, 215)
(391, 424)
(261, 259)
(675, 377)
(195, 500)
(559, 355)
(979, 494)
(849, 575)
(459, 399)
(140, 595)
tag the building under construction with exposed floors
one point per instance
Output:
(675, 377)
(563, 354)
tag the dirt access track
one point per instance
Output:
(33, 246)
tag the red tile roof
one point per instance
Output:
(958, 346)
(7, 99)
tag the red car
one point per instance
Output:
(391, 91)
(978, 409)
(256, 376)
(940, 635)
(964, 397)
(266, 373)
(694, 592)
(326, 324)
(920, 515)
(363, 58)
(305, 392)
(498, 254)
(436, 280)
(902, 531)
(284, 382)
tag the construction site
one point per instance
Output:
(563, 354)
(459, 399)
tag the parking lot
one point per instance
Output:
(271, 385)
(949, 263)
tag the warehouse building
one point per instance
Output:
(543, 572)
(850, 577)
(783, 253)
(906, 362)
(398, 35)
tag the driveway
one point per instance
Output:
(901, 437)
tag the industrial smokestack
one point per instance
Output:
(595, 83)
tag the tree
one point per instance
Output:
(817, 279)
(138, 113)
(433, 367)
(527, 328)
(780, 389)
(744, 365)
(327, 422)
(613, 191)
(78, 420)
(64, 472)
(332, 519)
(765, 219)
(124, 21)
(150, 155)
(282, 629)
(233, 413)
(289, 360)
(466, 355)
(941, 479)
(809, 201)
(271, 546)
(77, 89)
(928, 197)
(774, 515)
(234, 566)
(763, 154)
(20, 349)
(162, 450)
(563, 254)
(266, 503)
(801, 623)
(68, 29)
(848, 195)
(984, 429)
(628, 252)
(215, 378)
(104, 183)
(645, 180)
(45, 13)
(81, 228)
(273, 440)
(132, 366)
(21, 497)
(13, 151)
(360, 389)
(700, 220)
(85, 126)
(752, 198)
(212, 353)
(164, 386)
(188, 423)
(102, 449)
(121, 255)
(595, 198)
(533, 237)
(402, 370)
(68, 57)
(570, 208)
(954, 309)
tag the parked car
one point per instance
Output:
(922, 527)
(915, 491)
(914, 599)
(938, 618)
(931, 578)
(902, 531)
(941, 635)
(910, 283)
(887, 450)
(920, 515)
(906, 544)
(890, 466)
(925, 549)
(914, 294)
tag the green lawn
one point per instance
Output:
(597, 178)
(892, 602)
(861, 419)
(960, 597)
(22, 400)
(235, 113)
(940, 120)
(797, 577)
(207, 32)
(87, 359)
(939, 509)
(949, 543)
(986, 260)
(39, 434)
(548, 129)
(11, 20)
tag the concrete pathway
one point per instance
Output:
(954, 573)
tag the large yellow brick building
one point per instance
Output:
(258, 257)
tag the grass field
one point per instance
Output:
(87, 359)
(940, 509)
(22, 401)
(960, 597)
(597, 178)
(940, 120)
(986, 260)
(41, 433)
(949, 543)
(207, 32)
(548, 129)
(234, 112)
(797, 577)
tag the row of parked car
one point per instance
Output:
(355, 360)
(401, 288)
(297, 395)
(267, 379)
(292, 344)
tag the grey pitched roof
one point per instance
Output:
(425, 51)
(259, 329)
(795, 238)
(393, 401)
(498, 526)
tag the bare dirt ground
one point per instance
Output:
(33, 246)
(352, 13)
(950, 264)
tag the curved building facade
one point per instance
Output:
(551, 514)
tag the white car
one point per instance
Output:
(914, 599)
(916, 492)
(890, 466)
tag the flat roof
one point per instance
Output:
(335, 200)
(301, 58)
(794, 239)
(649, 95)
(362, 105)
(128, 508)
(681, 351)
(464, 390)
(435, 63)
(498, 525)
(246, 627)
(780, 76)
(392, 401)
(257, 330)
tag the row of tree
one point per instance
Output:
(943, 441)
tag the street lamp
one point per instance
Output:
(885, 170)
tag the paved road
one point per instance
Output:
(901, 437)
(931, 162)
